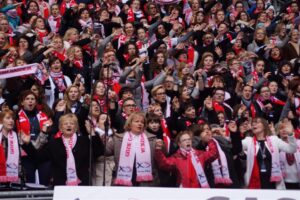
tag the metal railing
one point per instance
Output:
(30, 195)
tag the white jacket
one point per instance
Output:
(278, 145)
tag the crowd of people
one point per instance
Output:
(169, 93)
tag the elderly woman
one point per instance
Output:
(187, 162)
(69, 153)
(134, 154)
(263, 163)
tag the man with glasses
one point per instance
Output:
(158, 94)
(118, 120)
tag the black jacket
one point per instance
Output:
(55, 152)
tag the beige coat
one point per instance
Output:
(114, 147)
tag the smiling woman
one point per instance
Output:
(134, 151)
(68, 153)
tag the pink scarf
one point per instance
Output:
(58, 78)
(220, 168)
(134, 147)
(9, 168)
(72, 178)
(198, 168)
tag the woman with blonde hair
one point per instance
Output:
(263, 158)
(260, 44)
(134, 154)
(68, 153)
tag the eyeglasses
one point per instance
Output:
(130, 105)
(161, 93)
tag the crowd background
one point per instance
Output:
(195, 93)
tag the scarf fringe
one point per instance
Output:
(275, 178)
(123, 182)
(144, 178)
(4, 179)
(73, 183)
(224, 181)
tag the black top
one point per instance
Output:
(55, 152)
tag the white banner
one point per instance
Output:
(151, 193)
(18, 71)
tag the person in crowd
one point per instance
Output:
(183, 61)
(33, 123)
(263, 159)
(134, 154)
(187, 162)
(70, 149)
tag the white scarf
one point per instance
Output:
(220, 168)
(13, 156)
(134, 147)
(199, 170)
(276, 174)
(72, 178)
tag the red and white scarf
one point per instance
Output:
(78, 64)
(86, 24)
(283, 161)
(134, 148)
(252, 178)
(72, 178)
(58, 78)
(23, 123)
(197, 166)
(54, 23)
(220, 168)
(9, 168)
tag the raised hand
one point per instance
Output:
(159, 144)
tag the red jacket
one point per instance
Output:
(186, 175)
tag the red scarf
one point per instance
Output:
(78, 64)
(164, 127)
(41, 33)
(218, 107)
(255, 77)
(191, 55)
(60, 56)
(252, 111)
(23, 123)
(254, 182)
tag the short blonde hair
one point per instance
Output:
(65, 117)
(134, 115)
(69, 32)
(154, 90)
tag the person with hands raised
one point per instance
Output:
(290, 162)
(68, 153)
(188, 163)
(263, 158)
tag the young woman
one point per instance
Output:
(68, 154)
(263, 163)
(58, 82)
(187, 162)
(9, 149)
(33, 123)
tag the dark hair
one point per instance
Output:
(151, 117)
(25, 37)
(124, 90)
